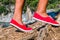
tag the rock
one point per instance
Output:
(49, 32)
(11, 34)
(58, 18)
(58, 5)
(41, 31)
(29, 14)
(2, 38)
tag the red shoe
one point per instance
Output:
(48, 19)
(19, 26)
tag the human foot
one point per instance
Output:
(44, 14)
(21, 27)
(47, 19)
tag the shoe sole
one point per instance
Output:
(46, 22)
(20, 28)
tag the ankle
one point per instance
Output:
(41, 12)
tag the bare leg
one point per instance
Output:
(18, 11)
(41, 9)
